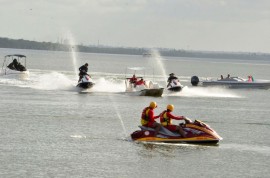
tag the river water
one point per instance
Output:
(49, 129)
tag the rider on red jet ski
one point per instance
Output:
(148, 118)
(166, 120)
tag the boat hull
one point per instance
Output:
(256, 85)
(15, 74)
(156, 92)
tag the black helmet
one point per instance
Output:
(172, 74)
(86, 64)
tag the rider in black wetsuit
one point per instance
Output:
(83, 70)
(171, 77)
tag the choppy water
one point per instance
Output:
(49, 129)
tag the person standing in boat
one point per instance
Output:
(148, 118)
(133, 79)
(83, 71)
(140, 82)
(166, 120)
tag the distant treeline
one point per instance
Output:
(26, 44)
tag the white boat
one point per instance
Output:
(14, 66)
(141, 87)
(234, 82)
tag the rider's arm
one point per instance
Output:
(175, 117)
(151, 115)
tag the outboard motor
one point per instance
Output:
(195, 80)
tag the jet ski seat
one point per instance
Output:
(163, 131)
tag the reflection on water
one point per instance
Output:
(167, 150)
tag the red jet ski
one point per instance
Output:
(196, 132)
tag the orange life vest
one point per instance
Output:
(164, 119)
(144, 117)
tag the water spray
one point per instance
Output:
(119, 116)
(73, 50)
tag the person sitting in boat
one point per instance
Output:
(20, 67)
(228, 76)
(166, 120)
(133, 79)
(13, 65)
(140, 82)
(221, 77)
(250, 78)
(83, 71)
(148, 118)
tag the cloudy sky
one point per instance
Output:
(213, 25)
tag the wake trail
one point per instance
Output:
(205, 92)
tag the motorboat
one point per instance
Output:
(196, 132)
(233, 82)
(140, 87)
(14, 66)
(148, 89)
(175, 85)
(86, 82)
(147, 54)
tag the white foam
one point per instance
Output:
(77, 136)
(51, 81)
(102, 85)
(205, 92)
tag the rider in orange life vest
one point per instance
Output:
(148, 118)
(166, 120)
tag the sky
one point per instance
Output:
(208, 25)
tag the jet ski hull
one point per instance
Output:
(196, 139)
(196, 132)
(85, 85)
(174, 85)
(175, 89)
